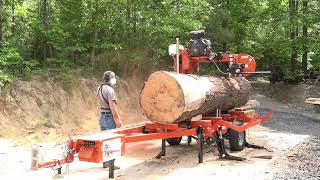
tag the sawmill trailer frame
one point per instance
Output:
(110, 145)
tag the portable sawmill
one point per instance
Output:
(214, 126)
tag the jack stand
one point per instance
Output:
(189, 140)
(200, 144)
(59, 170)
(111, 168)
(163, 149)
(189, 137)
(222, 151)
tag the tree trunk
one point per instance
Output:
(224, 46)
(168, 97)
(96, 31)
(1, 29)
(95, 39)
(128, 21)
(13, 28)
(294, 54)
(47, 49)
(305, 39)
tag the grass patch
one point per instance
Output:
(68, 79)
(40, 122)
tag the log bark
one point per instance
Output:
(168, 97)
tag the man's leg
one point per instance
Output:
(110, 121)
(103, 122)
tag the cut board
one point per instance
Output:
(248, 106)
(315, 101)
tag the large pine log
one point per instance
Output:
(168, 97)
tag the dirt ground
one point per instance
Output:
(291, 138)
(42, 111)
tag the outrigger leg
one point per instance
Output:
(59, 170)
(200, 144)
(189, 137)
(248, 145)
(222, 151)
(163, 149)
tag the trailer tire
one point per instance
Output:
(237, 140)
(174, 141)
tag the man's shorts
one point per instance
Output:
(106, 121)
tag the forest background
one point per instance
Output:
(68, 39)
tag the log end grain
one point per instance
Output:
(162, 98)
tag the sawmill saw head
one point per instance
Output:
(199, 51)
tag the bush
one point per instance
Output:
(12, 63)
(68, 79)
(293, 77)
(4, 80)
(56, 63)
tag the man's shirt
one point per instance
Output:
(108, 93)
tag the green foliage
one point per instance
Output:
(4, 80)
(293, 77)
(95, 35)
(263, 29)
(55, 63)
(12, 63)
(67, 80)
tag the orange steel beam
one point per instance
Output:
(251, 122)
(161, 135)
(52, 163)
(162, 126)
(128, 130)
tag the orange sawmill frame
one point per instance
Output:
(152, 131)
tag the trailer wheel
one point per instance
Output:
(237, 139)
(174, 141)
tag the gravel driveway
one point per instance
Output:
(293, 117)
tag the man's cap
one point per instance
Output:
(107, 75)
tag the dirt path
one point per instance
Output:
(291, 136)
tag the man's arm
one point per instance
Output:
(115, 113)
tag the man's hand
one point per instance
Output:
(115, 113)
(117, 121)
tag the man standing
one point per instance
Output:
(107, 98)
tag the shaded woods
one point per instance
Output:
(41, 36)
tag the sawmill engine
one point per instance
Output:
(198, 44)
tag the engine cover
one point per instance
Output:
(199, 47)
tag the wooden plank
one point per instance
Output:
(250, 105)
(249, 113)
(313, 101)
